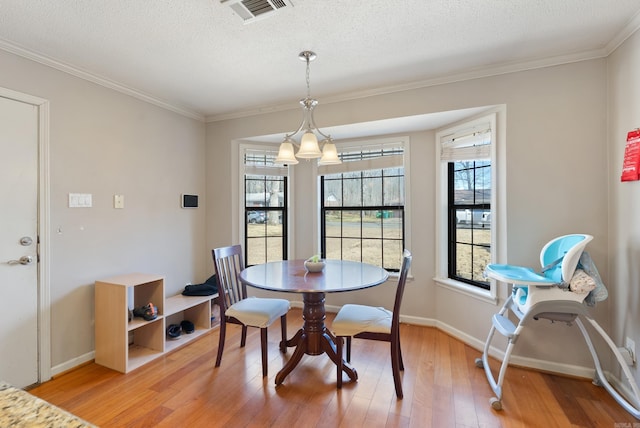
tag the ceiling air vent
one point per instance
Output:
(252, 10)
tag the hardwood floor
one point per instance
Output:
(442, 388)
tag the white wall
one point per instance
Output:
(624, 198)
(556, 178)
(104, 143)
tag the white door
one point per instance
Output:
(18, 242)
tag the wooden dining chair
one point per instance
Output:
(374, 323)
(237, 308)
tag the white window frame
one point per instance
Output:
(496, 121)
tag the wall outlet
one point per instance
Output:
(631, 347)
(118, 201)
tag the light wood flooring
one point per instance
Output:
(442, 388)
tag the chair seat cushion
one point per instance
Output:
(257, 311)
(354, 319)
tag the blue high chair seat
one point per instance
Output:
(517, 275)
(559, 259)
(547, 295)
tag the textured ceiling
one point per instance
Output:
(198, 57)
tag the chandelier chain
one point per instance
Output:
(308, 80)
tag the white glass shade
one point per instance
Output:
(286, 154)
(329, 154)
(309, 146)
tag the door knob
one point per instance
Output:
(24, 260)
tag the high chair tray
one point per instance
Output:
(516, 275)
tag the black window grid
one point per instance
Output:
(453, 241)
(281, 210)
(363, 209)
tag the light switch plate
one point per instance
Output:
(80, 200)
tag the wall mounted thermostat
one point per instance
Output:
(189, 201)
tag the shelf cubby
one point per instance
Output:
(125, 345)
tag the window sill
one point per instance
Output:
(467, 290)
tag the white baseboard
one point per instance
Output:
(517, 360)
(73, 363)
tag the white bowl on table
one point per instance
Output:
(313, 267)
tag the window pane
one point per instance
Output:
(462, 217)
(256, 250)
(274, 192)
(463, 234)
(333, 248)
(264, 191)
(274, 249)
(351, 249)
(372, 252)
(392, 225)
(352, 192)
(332, 193)
(483, 184)
(482, 237)
(464, 261)
(372, 191)
(333, 223)
(392, 254)
(371, 224)
(481, 259)
(274, 218)
(463, 183)
(393, 191)
(393, 172)
(275, 230)
(254, 229)
(351, 224)
(255, 195)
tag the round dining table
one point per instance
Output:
(290, 276)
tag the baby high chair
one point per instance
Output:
(568, 283)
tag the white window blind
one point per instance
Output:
(472, 143)
(367, 157)
(260, 162)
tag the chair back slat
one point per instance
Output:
(402, 280)
(228, 264)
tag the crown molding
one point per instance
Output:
(628, 30)
(478, 73)
(74, 71)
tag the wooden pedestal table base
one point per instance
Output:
(313, 338)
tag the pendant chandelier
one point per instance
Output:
(308, 147)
